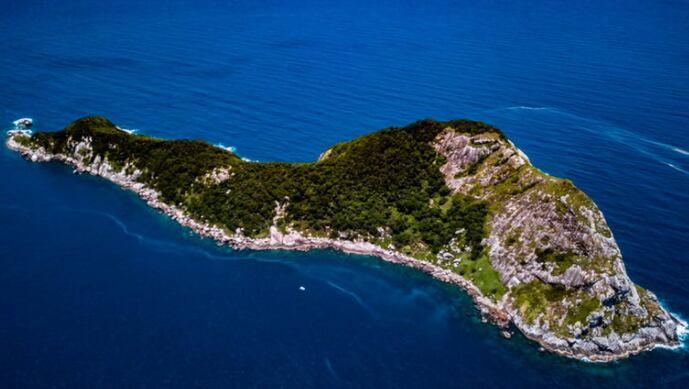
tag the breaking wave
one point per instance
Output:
(127, 130)
(231, 149)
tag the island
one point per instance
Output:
(454, 199)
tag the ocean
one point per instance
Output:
(98, 290)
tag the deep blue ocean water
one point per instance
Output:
(97, 290)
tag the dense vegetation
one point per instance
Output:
(388, 179)
(386, 188)
(171, 166)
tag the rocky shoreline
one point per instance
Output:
(500, 313)
(276, 241)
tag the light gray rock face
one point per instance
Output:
(463, 152)
(546, 236)
(574, 277)
(324, 155)
(218, 175)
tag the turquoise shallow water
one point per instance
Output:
(99, 290)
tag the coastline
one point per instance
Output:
(276, 241)
(500, 313)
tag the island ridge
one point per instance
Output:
(455, 199)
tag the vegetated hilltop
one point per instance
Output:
(456, 196)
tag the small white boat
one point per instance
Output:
(23, 123)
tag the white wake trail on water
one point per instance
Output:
(681, 151)
(158, 245)
(353, 295)
(631, 139)
(163, 246)
(513, 108)
(679, 169)
(330, 368)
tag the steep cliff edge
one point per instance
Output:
(455, 199)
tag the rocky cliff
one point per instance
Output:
(455, 199)
(568, 288)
